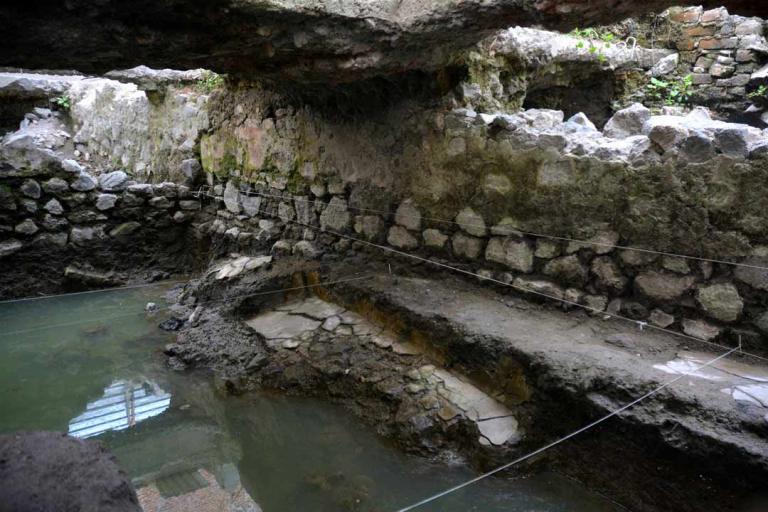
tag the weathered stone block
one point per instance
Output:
(471, 222)
(408, 216)
(721, 301)
(663, 286)
(400, 237)
(467, 247)
(434, 238)
(336, 216)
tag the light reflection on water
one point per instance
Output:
(123, 405)
(189, 447)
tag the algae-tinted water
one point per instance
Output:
(92, 365)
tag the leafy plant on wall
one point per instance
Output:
(671, 92)
(595, 41)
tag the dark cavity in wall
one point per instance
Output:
(592, 94)
(373, 96)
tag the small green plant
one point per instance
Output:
(210, 82)
(758, 94)
(671, 93)
(63, 102)
(594, 41)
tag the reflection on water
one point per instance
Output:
(124, 404)
(189, 447)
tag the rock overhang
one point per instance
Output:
(290, 40)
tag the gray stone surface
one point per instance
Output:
(662, 286)
(514, 253)
(399, 237)
(434, 238)
(627, 122)
(232, 197)
(408, 216)
(105, 202)
(471, 222)
(84, 182)
(567, 269)
(31, 189)
(26, 227)
(10, 246)
(721, 301)
(113, 181)
(336, 216)
(467, 247)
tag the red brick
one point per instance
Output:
(714, 15)
(689, 15)
(686, 45)
(699, 31)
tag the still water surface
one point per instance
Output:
(99, 373)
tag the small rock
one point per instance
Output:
(336, 216)
(72, 166)
(232, 197)
(721, 301)
(291, 344)
(567, 269)
(665, 66)
(55, 186)
(408, 216)
(105, 202)
(400, 237)
(515, 254)
(84, 182)
(661, 319)
(627, 122)
(8, 247)
(608, 274)
(306, 249)
(700, 329)
(26, 227)
(171, 324)
(113, 181)
(31, 189)
(467, 247)
(331, 323)
(282, 248)
(471, 222)
(662, 286)
(161, 202)
(125, 229)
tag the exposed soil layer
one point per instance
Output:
(50, 472)
(552, 371)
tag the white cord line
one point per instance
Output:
(524, 289)
(100, 290)
(528, 233)
(129, 315)
(568, 437)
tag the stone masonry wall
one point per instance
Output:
(684, 184)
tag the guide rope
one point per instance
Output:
(567, 437)
(87, 292)
(515, 230)
(203, 303)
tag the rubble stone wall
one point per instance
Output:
(481, 188)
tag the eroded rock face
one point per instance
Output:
(50, 471)
(309, 40)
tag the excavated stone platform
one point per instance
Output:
(450, 368)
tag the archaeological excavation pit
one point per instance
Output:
(384, 256)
